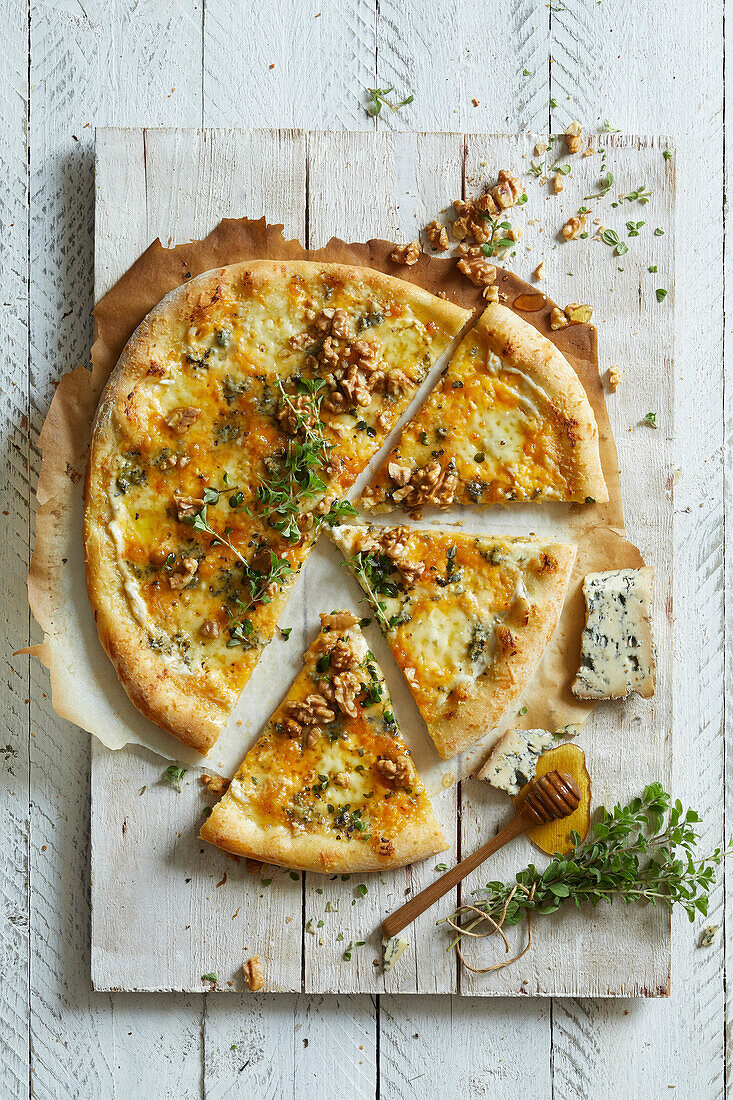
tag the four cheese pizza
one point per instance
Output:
(239, 413)
(508, 421)
(330, 785)
(467, 617)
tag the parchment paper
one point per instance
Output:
(85, 688)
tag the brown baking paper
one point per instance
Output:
(85, 688)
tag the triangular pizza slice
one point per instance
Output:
(330, 785)
(238, 415)
(508, 421)
(467, 617)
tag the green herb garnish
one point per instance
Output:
(661, 294)
(378, 97)
(174, 775)
(641, 852)
(650, 420)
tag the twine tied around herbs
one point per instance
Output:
(496, 926)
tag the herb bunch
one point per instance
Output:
(641, 852)
(374, 572)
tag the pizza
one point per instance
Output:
(467, 617)
(509, 420)
(330, 785)
(239, 413)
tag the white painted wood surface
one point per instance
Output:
(650, 68)
(201, 912)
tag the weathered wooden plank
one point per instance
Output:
(14, 502)
(639, 90)
(464, 1046)
(190, 184)
(305, 65)
(434, 55)
(411, 174)
(86, 63)
(636, 332)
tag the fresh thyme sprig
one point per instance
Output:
(373, 572)
(378, 97)
(642, 852)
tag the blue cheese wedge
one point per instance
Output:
(617, 648)
(391, 951)
(513, 760)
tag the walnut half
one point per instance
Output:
(407, 254)
(253, 974)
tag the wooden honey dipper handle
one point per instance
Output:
(553, 796)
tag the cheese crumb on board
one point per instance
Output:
(391, 951)
(617, 648)
(513, 760)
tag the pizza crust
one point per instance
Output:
(194, 706)
(229, 829)
(520, 346)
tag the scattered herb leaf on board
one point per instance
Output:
(174, 775)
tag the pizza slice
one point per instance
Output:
(330, 785)
(467, 617)
(508, 421)
(238, 415)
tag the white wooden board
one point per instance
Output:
(160, 920)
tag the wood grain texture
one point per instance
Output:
(86, 63)
(633, 49)
(124, 62)
(14, 502)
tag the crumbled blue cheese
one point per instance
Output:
(513, 761)
(617, 649)
(391, 951)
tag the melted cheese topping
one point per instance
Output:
(443, 626)
(333, 786)
(225, 361)
(495, 426)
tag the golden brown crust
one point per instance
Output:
(520, 346)
(193, 708)
(229, 829)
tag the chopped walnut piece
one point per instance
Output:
(342, 656)
(341, 325)
(578, 314)
(491, 293)
(209, 629)
(312, 711)
(437, 234)
(296, 413)
(573, 137)
(573, 227)
(300, 341)
(507, 191)
(253, 974)
(614, 379)
(588, 152)
(180, 420)
(187, 507)
(215, 784)
(339, 620)
(558, 319)
(539, 272)
(342, 779)
(399, 474)
(181, 577)
(346, 686)
(540, 148)
(407, 254)
(478, 270)
(557, 184)
(394, 771)
(428, 485)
